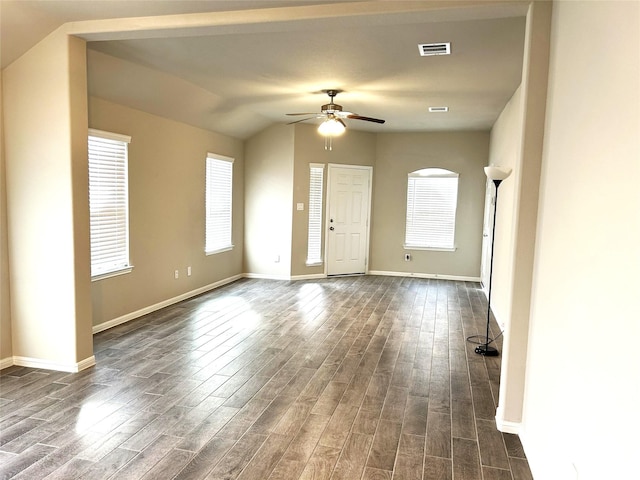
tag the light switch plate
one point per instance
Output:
(300, 206)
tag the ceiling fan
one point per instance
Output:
(333, 125)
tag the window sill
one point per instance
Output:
(433, 249)
(219, 250)
(113, 273)
(313, 263)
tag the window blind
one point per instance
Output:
(314, 242)
(432, 196)
(219, 177)
(108, 202)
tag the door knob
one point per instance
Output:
(331, 228)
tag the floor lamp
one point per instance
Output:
(497, 175)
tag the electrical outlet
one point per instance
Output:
(276, 259)
(407, 257)
(176, 274)
(189, 271)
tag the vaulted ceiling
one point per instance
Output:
(251, 67)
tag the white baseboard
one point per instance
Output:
(313, 276)
(165, 303)
(86, 363)
(6, 362)
(316, 276)
(266, 276)
(506, 426)
(424, 275)
(48, 365)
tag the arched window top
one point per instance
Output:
(434, 173)
(432, 196)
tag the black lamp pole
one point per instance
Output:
(485, 349)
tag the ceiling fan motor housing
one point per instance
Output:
(331, 108)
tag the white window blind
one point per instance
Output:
(219, 177)
(432, 197)
(314, 243)
(108, 203)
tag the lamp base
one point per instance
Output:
(487, 351)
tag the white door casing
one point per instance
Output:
(347, 222)
(487, 236)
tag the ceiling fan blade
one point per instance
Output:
(303, 119)
(367, 119)
(308, 113)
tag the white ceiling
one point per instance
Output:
(238, 78)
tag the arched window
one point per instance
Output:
(432, 197)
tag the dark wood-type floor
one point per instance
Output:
(345, 378)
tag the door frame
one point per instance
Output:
(331, 171)
(487, 223)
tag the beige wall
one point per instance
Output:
(505, 150)
(398, 154)
(517, 139)
(352, 148)
(6, 351)
(527, 179)
(393, 156)
(583, 369)
(268, 187)
(45, 123)
(167, 210)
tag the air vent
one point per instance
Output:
(438, 109)
(429, 49)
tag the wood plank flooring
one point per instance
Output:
(350, 378)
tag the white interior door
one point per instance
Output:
(347, 222)
(487, 235)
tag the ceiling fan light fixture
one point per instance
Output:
(331, 127)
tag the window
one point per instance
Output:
(108, 204)
(432, 197)
(314, 244)
(219, 176)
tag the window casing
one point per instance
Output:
(219, 189)
(432, 197)
(314, 239)
(108, 204)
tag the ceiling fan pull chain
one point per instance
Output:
(328, 143)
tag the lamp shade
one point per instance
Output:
(497, 173)
(331, 127)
